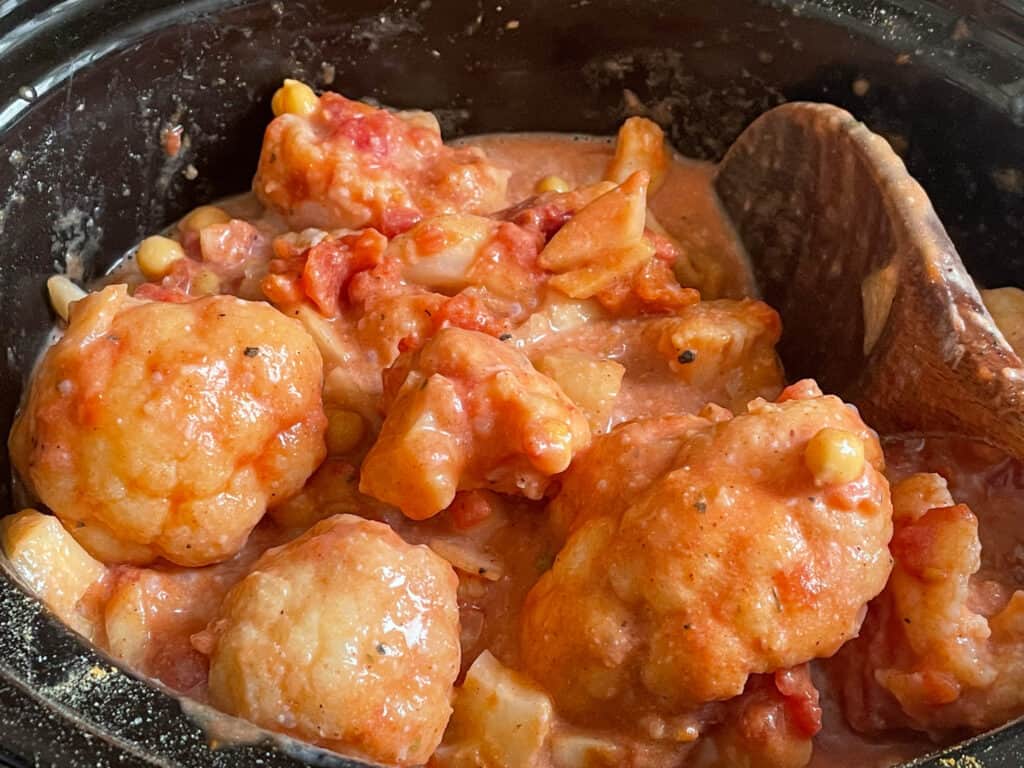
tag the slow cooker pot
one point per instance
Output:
(86, 87)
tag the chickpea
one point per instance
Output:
(63, 293)
(206, 283)
(834, 456)
(203, 216)
(294, 98)
(552, 184)
(344, 430)
(156, 256)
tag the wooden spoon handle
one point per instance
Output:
(875, 301)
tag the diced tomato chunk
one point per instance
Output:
(230, 244)
(159, 292)
(395, 221)
(470, 508)
(801, 698)
(331, 263)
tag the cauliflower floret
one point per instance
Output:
(54, 565)
(151, 614)
(165, 430)
(732, 561)
(931, 656)
(347, 164)
(346, 637)
(469, 411)
(723, 348)
(639, 452)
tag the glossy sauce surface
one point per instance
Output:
(158, 618)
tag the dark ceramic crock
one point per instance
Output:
(87, 85)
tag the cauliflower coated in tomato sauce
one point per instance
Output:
(941, 649)
(159, 429)
(347, 164)
(702, 552)
(346, 637)
(468, 411)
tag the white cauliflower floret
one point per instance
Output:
(157, 429)
(705, 553)
(346, 637)
(932, 656)
(342, 163)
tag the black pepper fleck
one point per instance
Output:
(505, 337)
(687, 356)
(252, 351)
(701, 506)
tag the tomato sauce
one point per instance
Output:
(501, 545)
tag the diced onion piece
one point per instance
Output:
(558, 313)
(468, 559)
(439, 252)
(613, 221)
(577, 750)
(603, 242)
(501, 719)
(640, 146)
(52, 563)
(326, 336)
(591, 382)
(591, 279)
(63, 293)
(126, 622)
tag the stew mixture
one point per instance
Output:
(481, 455)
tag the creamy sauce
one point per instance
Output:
(685, 205)
(517, 539)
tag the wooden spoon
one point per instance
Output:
(875, 302)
